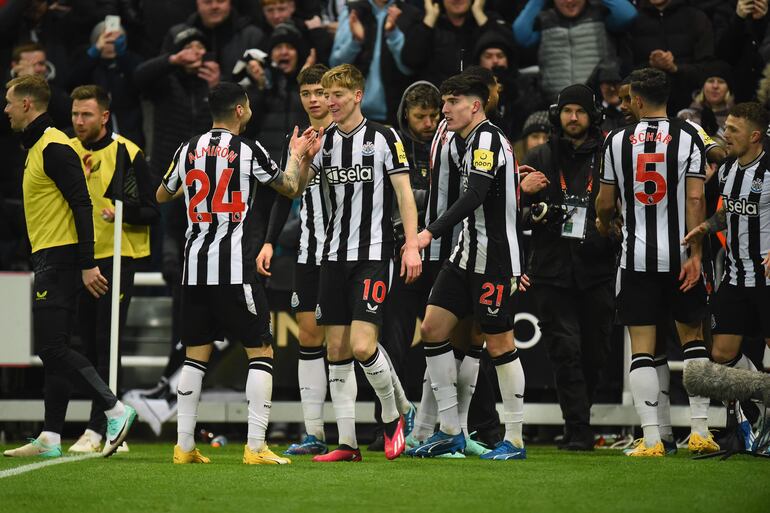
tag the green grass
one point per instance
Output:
(145, 480)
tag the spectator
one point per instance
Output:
(493, 52)
(277, 99)
(608, 80)
(535, 132)
(571, 267)
(739, 45)
(58, 26)
(315, 34)
(178, 85)
(676, 38)
(151, 21)
(370, 36)
(443, 43)
(31, 59)
(228, 33)
(713, 102)
(573, 38)
(109, 64)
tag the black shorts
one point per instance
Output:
(304, 296)
(352, 291)
(645, 298)
(464, 292)
(239, 311)
(741, 310)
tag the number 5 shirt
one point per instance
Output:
(219, 172)
(649, 163)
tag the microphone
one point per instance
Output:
(725, 383)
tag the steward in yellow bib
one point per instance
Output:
(60, 228)
(114, 168)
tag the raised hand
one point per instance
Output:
(432, 12)
(356, 27)
(390, 22)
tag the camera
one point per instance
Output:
(549, 213)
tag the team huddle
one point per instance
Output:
(347, 170)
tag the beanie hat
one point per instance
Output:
(536, 122)
(188, 35)
(719, 69)
(577, 94)
(289, 34)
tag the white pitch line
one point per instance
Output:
(42, 464)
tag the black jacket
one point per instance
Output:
(181, 104)
(227, 41)
(434, 53)
(555, 260)
(683, 30)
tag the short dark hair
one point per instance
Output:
(224, 97)
(466, 85)
(754, 113)
(651, 84)
(481, 73)
(92, 92)
(33, 86)
(422, 95)
(25, 48)
(312, 74)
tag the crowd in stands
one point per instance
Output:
(165, 55)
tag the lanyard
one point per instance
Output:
(589, 185)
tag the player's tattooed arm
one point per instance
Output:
(295, 177)
(713, 224)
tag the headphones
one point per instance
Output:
(595, 113)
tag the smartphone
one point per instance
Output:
(111, 23)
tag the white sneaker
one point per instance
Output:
(84, 445)
(152, 411)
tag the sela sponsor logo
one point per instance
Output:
(342, 176)
(367, 149)
(741, 207)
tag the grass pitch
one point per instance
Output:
(145, 480)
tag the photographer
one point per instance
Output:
(570, 266)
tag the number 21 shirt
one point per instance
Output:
(219, 172)
(649, 163)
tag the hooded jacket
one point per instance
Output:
(418, 155)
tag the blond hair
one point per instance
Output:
(33, 86)
(346, 76)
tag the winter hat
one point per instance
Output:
(719, 69)
(290, 34)
(578, 94)
(188, 35)
(536, 122)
